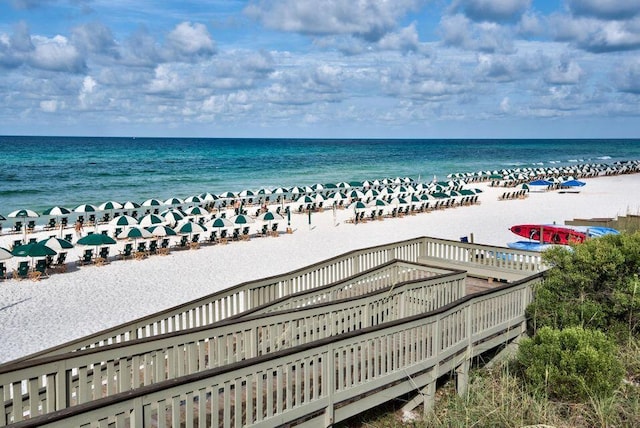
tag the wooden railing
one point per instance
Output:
(321, 382)
(40, 386)
(489, 261)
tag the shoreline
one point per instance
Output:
(38, 315)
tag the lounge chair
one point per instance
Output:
(103, 256)
(86, 257)
(59, 265)
(16, 243)
(22, 272)
(184, 240)
(39, 270)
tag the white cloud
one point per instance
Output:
(459, 31)
(491, 10)
(597, 36)
(626, 77)
(370, 19)
(56, 54)
(605, 9)
(49, 106)
(188, 41)
(567, 72)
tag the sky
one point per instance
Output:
(321, 68)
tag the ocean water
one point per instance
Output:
(40, 172)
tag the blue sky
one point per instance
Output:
(321, 68)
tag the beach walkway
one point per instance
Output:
(385, 315)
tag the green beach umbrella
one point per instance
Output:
(150, 220)
(152, 203)
(2, 218)
(161, 230)
(110, 206)
(306, 199)
(56, 211)
(208, 197)
(190, 227)
(227, 195)
(172, 216)
(5, 254)
(241, 219)
(193, 200)
(123, 220)
(135, 232)
(196, 211)
(174, 201)
(95, 239)
(269, 216)
(57, 244)
(378, 203)
(23, 214)
(34, 249)
(130, 205)
(358, 205)
(85, 208)
(219, 223)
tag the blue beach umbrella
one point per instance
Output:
(573, 183)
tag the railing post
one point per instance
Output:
(330, 378)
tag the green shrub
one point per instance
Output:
(593, 286)
(573, 364)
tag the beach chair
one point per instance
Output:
(264, 230)
(164, 243)
(68, 237)
(236, 235)
(182, 244)
(17, 227)
(103, 256)
(86, 257)
(22, 272)
(39, 270)
(153, 246)
(64, 221)
(59, 265)
(16, 243)
(32, 240)
(223, 236)
(51, 224)
(195, 244)
(213, 237)
(245, 233)
(3, 271)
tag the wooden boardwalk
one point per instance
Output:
(311, 347)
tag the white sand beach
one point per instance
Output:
(86, 299)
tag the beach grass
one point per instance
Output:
(497, 398)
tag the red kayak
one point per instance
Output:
(550, 234)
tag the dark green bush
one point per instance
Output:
(593, 286)
(573, 364)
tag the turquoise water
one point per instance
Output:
(39, 172)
